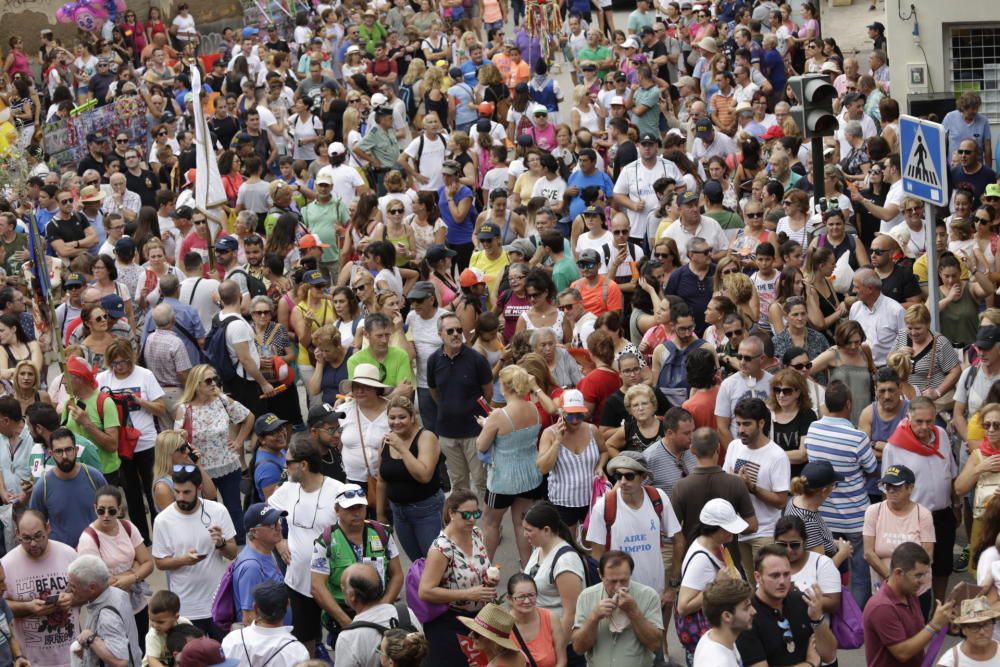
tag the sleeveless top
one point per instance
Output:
(440, 107)
(542, 648)
(859, 381)
(448, 294)
(401, 260)
(401, 488)
(573, 474)
(589, 120)
(556, 328)
(959, 321)
(513, 470)
(166, 479)
(881, 429)
(507, 233)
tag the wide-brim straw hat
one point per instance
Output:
(366, 374)
(493, 623)
(976, 610)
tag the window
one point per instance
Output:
(973, 64)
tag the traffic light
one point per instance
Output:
(814, 112)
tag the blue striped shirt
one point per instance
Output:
(835, 439)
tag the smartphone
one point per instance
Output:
(192, 456)
(80, 404)
(52, 599)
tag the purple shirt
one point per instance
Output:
(531, 47)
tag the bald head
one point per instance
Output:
(229, 293)
(361, 585)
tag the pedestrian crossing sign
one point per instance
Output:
(924, 159)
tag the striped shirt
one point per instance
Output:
(666, 469)
(572, 478)
(835, 439)
(945, 359)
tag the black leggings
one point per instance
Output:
(136, 476)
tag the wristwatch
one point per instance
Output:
(89, 640)
(675, 583)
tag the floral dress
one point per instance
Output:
(464, 571)
(210, 428)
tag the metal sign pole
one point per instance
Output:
(933, 290)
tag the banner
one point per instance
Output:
(65, 140)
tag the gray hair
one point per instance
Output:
(163, 315)
(869, 278)
(170, 285)
(853, 129)
(694, 243)
(538, 334)
(757, 343)
(90, 173)
(262, 299)
(90, 570)
(571, 292)
(248, 218)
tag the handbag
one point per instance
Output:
(847, 624)
(946, 401)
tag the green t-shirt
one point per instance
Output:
(109, 461)
(726, 219)
(648, 122)
(600, 54)
(321, 220)
(564, 272)
(11, 265)
(392, 371)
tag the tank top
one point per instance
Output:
(573, 474)
(588, 119)
(448, 293)
(542, 648)
(513, 470)
(959, 321)
(507, 233)
(401, 488)
(556, 329)
(323, 315)
(166, 479)
(881, 429)
(401, 260)
(859, 380)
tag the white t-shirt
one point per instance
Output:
(239, 332)
(426, 340)
(895, 196)
(433, 156)
(174, 533)
(184, 24)
(309, 514)
(639, 534)
(698, 573)
(948, 659)
(548, 593)
(345, 181)
(735, 388)
(819, 569)
(711, 652)
(603, 244)
(636, 181)
(142, 383)
(708, 229)
(355, 459)
(552, 190)
(202, 290)
(769, 468)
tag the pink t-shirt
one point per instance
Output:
(117, 552)
(45, 640)
(891, 530)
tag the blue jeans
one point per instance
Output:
(229, 493)
(418, 524)
(861, 576)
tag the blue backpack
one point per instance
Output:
(591, 570)
(217, 351)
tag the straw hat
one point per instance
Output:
(976, 610)
(493, 623)
(366, 374)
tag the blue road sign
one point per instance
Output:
(923, 149)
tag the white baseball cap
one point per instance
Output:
(719, 512)
(351, 495)
(572, 401)
(336, 148)
(618, 99)
(378, 99)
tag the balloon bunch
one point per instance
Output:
(90, 15)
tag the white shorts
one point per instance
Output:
(603, 4)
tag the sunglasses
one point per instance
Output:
(734, 332)
(121, 141)
(627, 476)
(963, 151)
(878, 251)
(755, 215)
(791, 546)
(65, 201)
(161, 134)
(212, 380)
(983, 221)
(747, 357)
(110, 511)
(262, 312)
(184, 467)
(914, 209)
(661, 255)
(587, 265)
(802, 367)
(451, 331)
(567, 307)
(474, 514)
(91, 182)
(784, 391)
(201, 222)
(353, 493)
(573, 417)
(396, 211)
(991, 426)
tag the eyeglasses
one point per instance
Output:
(791, 546)
(627, 476)
(630, 371)
(28, 539)
(784, 391)
(991, 426)
(295, 507)
(352, 493)
(802, 367)
(395, 211)
(262, 312)
(118, 363)
(65, 451)
(212, 381)
(451, 331)
(526, 597)
(747, 357)
(474, 514)
(184, 467)
(110, 511)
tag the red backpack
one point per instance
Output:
(611, 510)
(128, 435)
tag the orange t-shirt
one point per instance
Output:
(519, 73)
(593, 297)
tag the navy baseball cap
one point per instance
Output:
(114, 305)
(227, 243)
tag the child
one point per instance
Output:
(765, 280)
(164, 615)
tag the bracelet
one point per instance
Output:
(221, 546)
(931, 629)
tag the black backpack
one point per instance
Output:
(217, 351)
(255, 286)
(403, 621)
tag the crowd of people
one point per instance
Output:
(445, 288)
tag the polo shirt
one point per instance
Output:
(958, 130)
(764, 642)
(901, 284)
(690, 495)
(459, 382)
(695, 291)
(622, 648)
(396, 365)
(889, 620)
(597, 55)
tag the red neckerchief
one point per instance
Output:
(986, 449)
(904, 437)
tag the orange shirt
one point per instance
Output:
(519, 73)
(593, 297)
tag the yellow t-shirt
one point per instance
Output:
(493, 268)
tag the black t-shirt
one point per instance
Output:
(788, 436)
(658, 50)
(224, 129)
(73, 229)
(145, 185)
(901, 284)
(768, 640)
(626, 154)
(88, 162)
(280, 45)
(614, 411)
